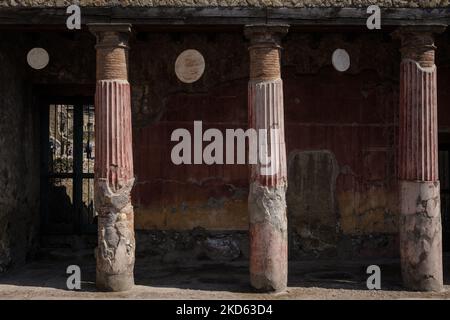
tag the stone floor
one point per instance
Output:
(46, 279)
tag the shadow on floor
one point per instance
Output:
(212, 276)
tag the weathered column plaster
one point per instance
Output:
(268, 182)
(114, 176)
(421, 235)
(420, 216)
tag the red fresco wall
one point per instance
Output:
(351, 115)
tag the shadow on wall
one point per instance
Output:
(312, 209)
(19, 161)
(315, 222)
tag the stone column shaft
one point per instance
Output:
(114, 176)
(419, 192)
(268, 182)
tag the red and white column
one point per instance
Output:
(420, 214)
(268, 181)
(114, 176)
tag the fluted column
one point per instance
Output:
(268, 181)
(419, 192)
(114, 176)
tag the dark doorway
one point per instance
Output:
(67, 166)
(444, 177)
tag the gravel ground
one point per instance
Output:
(46, 279)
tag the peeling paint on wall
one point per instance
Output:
(341, 127)
(311, 199)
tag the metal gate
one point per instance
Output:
(67, 166)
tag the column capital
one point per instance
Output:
(265, 35)
(111, 35)
(265, 50)
(112, 50)
(417, 43)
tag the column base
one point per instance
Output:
(421, 236)
(114, 282)
(268, 238)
